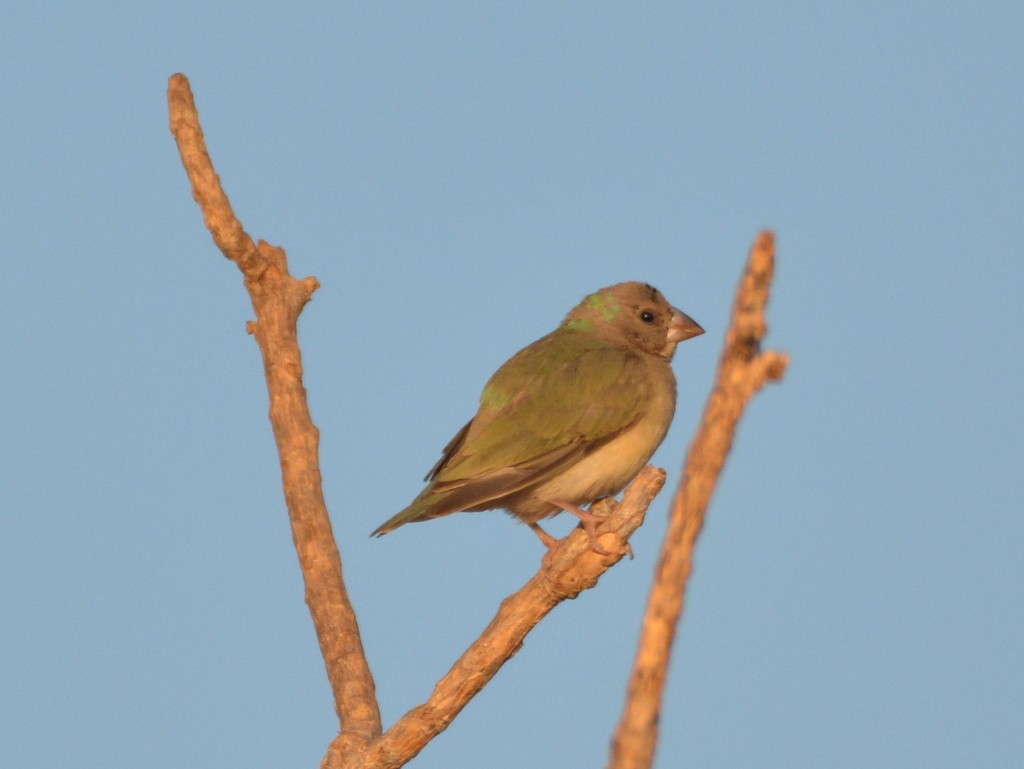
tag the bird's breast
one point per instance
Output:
(609, 468)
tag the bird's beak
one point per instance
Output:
(683, 327)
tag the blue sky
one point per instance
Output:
(457, 176)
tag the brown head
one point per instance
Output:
(634, 315)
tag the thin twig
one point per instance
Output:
(743, 370)
(277, 299)
(571, 568)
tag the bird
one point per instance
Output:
(568, 420)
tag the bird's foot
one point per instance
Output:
(589, 522)
(547, 539)
(549, 543)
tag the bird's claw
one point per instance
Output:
(588, 521)
(591, 529)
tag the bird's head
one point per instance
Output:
(634, 315)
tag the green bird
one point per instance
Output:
(568, 420)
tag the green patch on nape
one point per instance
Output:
(580, 324)
(603, 304)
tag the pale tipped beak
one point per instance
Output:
(683, 327)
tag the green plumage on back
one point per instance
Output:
(565, 389)
(568, 419)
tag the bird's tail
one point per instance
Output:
(390, 524)
(417, 511)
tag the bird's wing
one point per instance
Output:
(548, 406)
(449, 451)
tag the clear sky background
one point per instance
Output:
(457, 176)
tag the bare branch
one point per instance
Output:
(569, 569)
(742, 371)
(278, 299)
(220, 219)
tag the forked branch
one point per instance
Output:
(570, 567)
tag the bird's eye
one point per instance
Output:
(647, 316)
